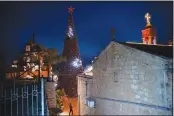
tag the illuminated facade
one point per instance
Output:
(27, 65)
(149, 33)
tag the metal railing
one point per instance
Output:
(23, 101)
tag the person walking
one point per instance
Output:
(70, 109)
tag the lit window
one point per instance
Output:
(90, 102)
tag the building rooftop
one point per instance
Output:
(159, 50)
(85, 76)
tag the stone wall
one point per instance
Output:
(50, 90)
(84, 91)
(129, 81)
(106, 107)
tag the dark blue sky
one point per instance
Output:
(93, 21)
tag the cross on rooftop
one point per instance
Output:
(148, 17)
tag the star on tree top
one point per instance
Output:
(70, 9)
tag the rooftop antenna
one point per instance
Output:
(112, 34)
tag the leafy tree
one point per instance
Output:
(51, 56)
(60, 93)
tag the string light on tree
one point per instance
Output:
(70, 32)
(73, 66)
(77, 63)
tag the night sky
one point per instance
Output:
(92, 20)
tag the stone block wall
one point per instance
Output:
(106, 107)
(50, 90)
(132, 77)
(84, 91)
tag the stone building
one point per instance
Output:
(84, 93)
(26, 65)
(129, 79)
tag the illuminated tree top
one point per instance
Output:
(70, 10)
(70, 30)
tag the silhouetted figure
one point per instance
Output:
(71, 109)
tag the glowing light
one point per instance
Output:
(148, 17)
(154, 41)
(77, 63)
(70, 32)
(28, 77)
(55, 77)
(70, 9)
(14, 66)
(142, 43)
(64, 113)
(88, 70)
(55, 84)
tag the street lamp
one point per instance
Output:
(88, 70)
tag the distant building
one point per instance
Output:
(27, 65)
(128, 79)
(149, 33)
(85, 82)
